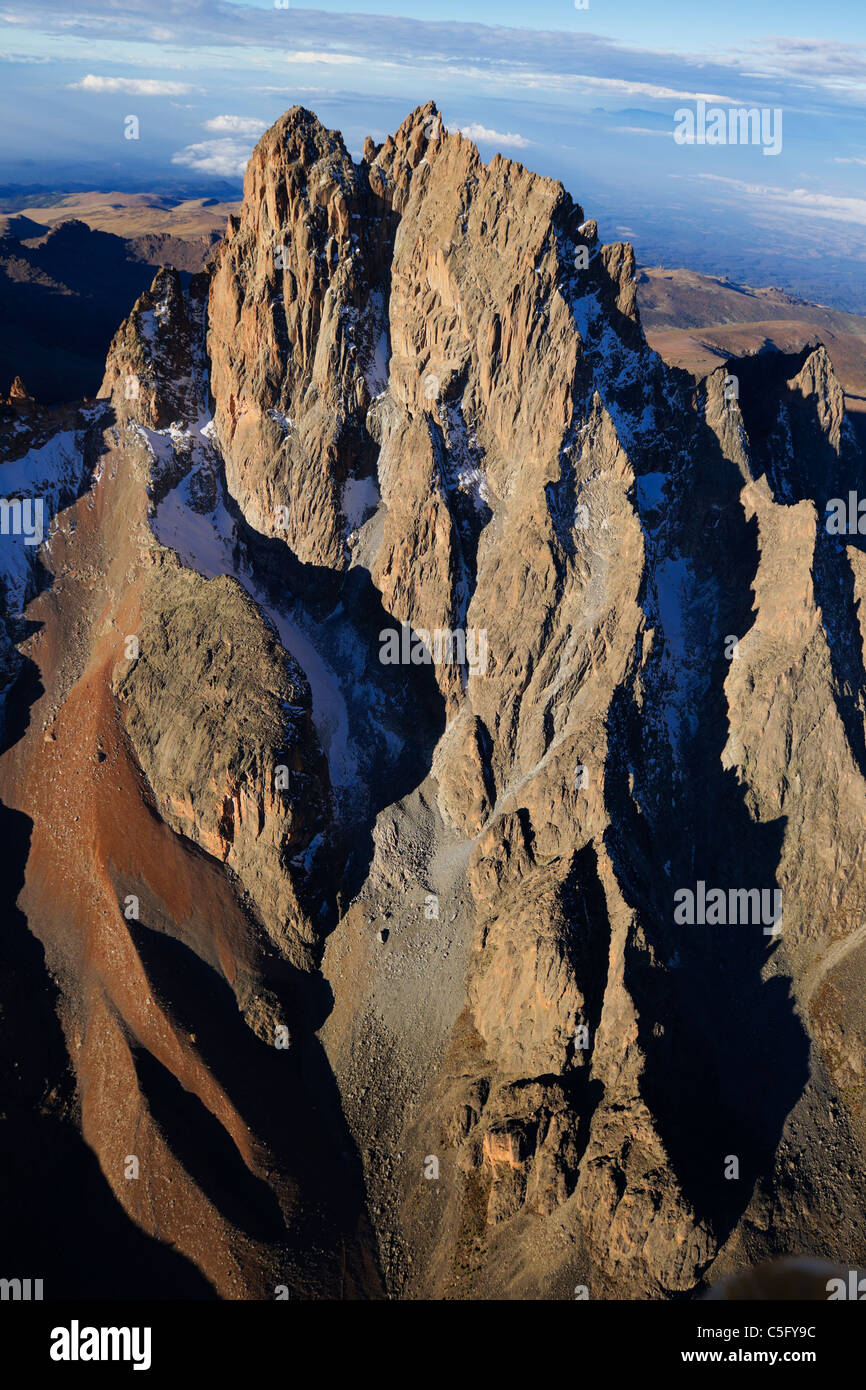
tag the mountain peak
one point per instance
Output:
(461, 708)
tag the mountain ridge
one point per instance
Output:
(415, 391)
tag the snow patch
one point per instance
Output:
(53, 473)
(378, 370)
(285, 422)
(361, 496)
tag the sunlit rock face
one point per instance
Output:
(438, 729)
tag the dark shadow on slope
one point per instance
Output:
(280, 1093)
(207, 1152)
(307, 998)
(396, 713)
(833, 579)
(791, 446)
(26, 689)
(288, 1098)
(726, 1056)
(59, 1220)
(251, 1071)
(857, 420)
(61, 300)
(761, 379)
(588, 946)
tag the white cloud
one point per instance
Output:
(137, 86)
(227, 157)
(22, 58)
(647, 89)
(474, 131)
(799, 200)
(310, 55)
(236, 125)
(802, 66)
(641, 130)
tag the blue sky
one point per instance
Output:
(587, 95)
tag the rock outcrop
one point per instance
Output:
(485, 697)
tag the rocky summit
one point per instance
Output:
(434, 768)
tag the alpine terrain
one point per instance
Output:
(434, 769)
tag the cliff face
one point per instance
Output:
(496, 711)
(176, 794)
(219, 714)
(296, 321)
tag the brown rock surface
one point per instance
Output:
(435, 415)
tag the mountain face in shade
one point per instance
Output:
(435, 743)
(64, 289)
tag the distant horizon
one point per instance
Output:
(589, 96)
(831, 288)
(432, 670)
